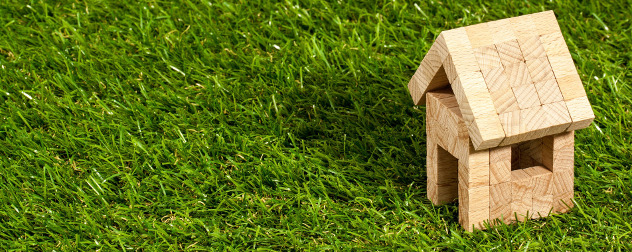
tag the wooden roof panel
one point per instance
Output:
(514, 79)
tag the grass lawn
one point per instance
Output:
(250, 125)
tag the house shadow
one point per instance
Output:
(366, 138)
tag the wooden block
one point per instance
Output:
(523, 125)
(545, 22)
(487, 57)
(446, 123)
(571, 87)
(554, 44)
(442, 194)
(474, 170)
(563, 190)
(533, 150)
(526, 96)
(531, 123)
(501, 31)
(543, 180)
(482, 122)
(523, 27)
(504, 101)
(443, 94)
(415, 90)
(453, 132)
(500, 165)
(563, 203)
(562, 66)
(461, 58)
(548, 91)
(521, 195)
(470, 86)
(540, 69)
(428, 79)
(542, 205)
(558, 151)
(509, 52)
(473, 207)
(447, 166)
(430, 74)
(563, 181)
(479, 35)
(431, 192)
(581, 113)
(500, 202)
(495, 79)
(486, 132)
(531, 47)
(518, 74)
(510, 122)
(431, 158)
(445, 115)
(557, 116)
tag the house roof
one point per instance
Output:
(514, 79)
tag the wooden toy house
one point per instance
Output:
(503, 100)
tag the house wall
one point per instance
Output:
(510, 183)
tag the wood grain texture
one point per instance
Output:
(447, 167)
(495, 79)
(509, 52)
(540, 69)
(443, 113)
(545, 22)
(473, 207)
(446, 125)
(521, 195)
(526, 96)
(548, 91)
(531, 47)
(474, 170)
(461, 58)
(518, 74)
(542, 205)
(499, 165)
(487, 57)
(441, 194)
(557, 116)
(479, 35)
(543, 180)
(500, 202)
(482, 121)
(510, 122)
(532, 150)
(501, 31)
(523, 125)
(562, 66)
(563, 202)
(504, 101)
(430, 74)
(558, 151)
(571, 87)
(554, 44)
(581, 113)
(563, 181)
(486, 132)
(445, 131)
(523, 27)
(532, 124)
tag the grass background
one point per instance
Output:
(245, 125)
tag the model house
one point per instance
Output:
(503, 100)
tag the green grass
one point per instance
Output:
(258, 125)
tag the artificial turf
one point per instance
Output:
(197, 125)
